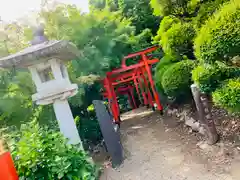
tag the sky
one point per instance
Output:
(11, 10)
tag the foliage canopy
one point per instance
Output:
(178, 40)
(219, 38)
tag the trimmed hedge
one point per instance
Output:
(209, 77)
(177, 79)
(159, 75)
(166, 23)
(219, 38)
(178, 40)
(161, 67)
(206, 10)
(165, 60)
(228, 96)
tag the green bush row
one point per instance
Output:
(212, 27)
(219, 40)
(175, 81)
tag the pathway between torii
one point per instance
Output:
(154, 152)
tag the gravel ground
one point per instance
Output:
(156, 152)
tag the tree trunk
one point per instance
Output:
(205, 115)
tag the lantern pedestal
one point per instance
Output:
(66, 121)
(46, 60)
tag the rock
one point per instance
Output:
(182, 119)
(190, 131)
(178, 115)
(167, 130)
(189, 121)
(204, 146)
(169, 112)
(202, 130)
(196, 126)
(175, 111)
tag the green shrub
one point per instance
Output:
(41, 153)
(165, 24)
(176, 80)
(159, 75)
(159, 8)
(209, 77)
(228, 96)
(178, 40)
(166, 7)
(219, 38)
(165, 60)
(233, 72)
(206, 10)
(89, 131)
(161, 67)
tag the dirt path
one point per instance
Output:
(154, 152)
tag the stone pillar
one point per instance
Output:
(66, 121)
(205, 115)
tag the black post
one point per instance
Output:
(110, 134)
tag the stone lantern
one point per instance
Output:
(46, 61)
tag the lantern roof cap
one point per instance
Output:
(41, 49)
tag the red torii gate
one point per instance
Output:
(125, 90)
(135, 74)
